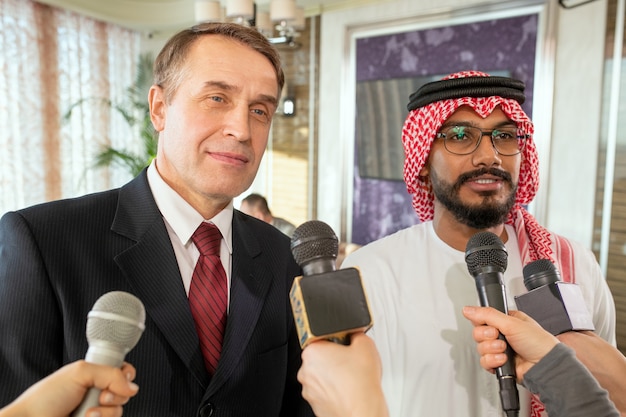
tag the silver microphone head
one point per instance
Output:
(114, 326)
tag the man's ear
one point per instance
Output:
(425, 170)
(156, 101)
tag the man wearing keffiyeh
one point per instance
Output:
(417, 279)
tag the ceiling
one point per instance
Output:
(170, 15)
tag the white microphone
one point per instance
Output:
(114, 326)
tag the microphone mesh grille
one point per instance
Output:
(540, 272)
(124, 331)
(485, 249)
(540, 265)
(313, 239)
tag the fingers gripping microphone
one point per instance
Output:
(327, 303)
(556, 305)
(486, 259)
(114, 326)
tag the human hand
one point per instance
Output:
(59, 394)
(344, 381)
(525, 336)
(604, 361)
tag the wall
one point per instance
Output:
(576, 121)
(285, 176)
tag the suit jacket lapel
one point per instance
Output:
(153, 272)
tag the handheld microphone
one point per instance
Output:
(327, 303)
(114, 326)
(486, 259)
(557, 306)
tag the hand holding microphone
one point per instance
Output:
(487, 259)
(559, 307)
(114, 326)
(330, 305)
(603, 363)
(61, 392)
(327, 303)
(529, 341)
(339, 381)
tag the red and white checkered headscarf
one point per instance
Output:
(418, 134)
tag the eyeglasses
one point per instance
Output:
(463, 140)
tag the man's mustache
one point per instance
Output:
(468, 176)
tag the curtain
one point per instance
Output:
(50, 60)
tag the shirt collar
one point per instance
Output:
(181, 216)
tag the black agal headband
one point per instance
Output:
(504, 87)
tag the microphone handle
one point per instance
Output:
(92, 399)
(491, 293)
(100, 354)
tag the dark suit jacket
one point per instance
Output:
(58, 258)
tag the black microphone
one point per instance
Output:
(114, 326)
(557, 306)
(486, 259)
(327, 303)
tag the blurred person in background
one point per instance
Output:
(255, 205)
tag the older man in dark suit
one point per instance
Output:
(216, 89)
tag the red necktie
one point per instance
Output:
(208, 294)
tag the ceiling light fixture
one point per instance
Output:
(241, 11)
(208, 11)
(284, 13)
(284, 17)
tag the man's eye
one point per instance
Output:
(504, 135)
(216, 99)
(261, 114)
(457, 134)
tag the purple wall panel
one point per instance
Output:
(381, 207)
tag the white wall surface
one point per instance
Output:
(576, 121)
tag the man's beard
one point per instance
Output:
(483, 216)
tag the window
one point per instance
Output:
(50, 59)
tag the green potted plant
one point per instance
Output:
(136, 113)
